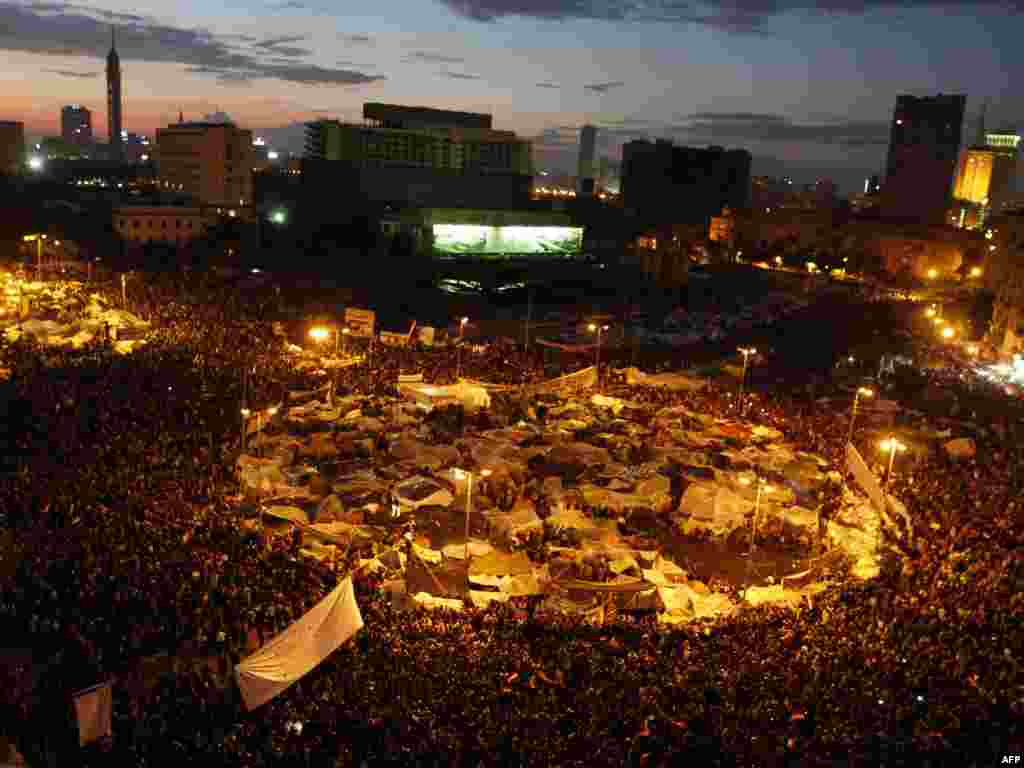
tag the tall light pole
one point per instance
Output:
(38, 240)
(458, 352)
(345, 332)
(866, 392)
(761, 487)
(598, 329)
(746, 352)
(246, 413)
(466, 475)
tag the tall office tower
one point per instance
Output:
(76, 125)
(12, 147)
(923, 147)
(114, 127)
(585, 167)
(212, 162)
(665, 184)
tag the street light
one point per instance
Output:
(246, 413)
(598, 329)
(746, 352)
(462, 474)
(932, 274)
(972, 349)
(761, 488)
(975, 271)
(38, 240)
(866, 392)
(948, 332)
(458, 351)
(893, 446)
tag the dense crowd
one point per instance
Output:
(127, 550)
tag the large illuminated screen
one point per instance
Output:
(480, 239)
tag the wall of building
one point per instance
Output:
(12, 147)
(213, 163)
(166, 224)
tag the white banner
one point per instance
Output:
(92, 708)
(864, 477)
(300, 648)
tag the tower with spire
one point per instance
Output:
(114, 101)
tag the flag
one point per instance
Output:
(92, 707)
(300, 648)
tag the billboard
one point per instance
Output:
(480, 239)
(360, 321)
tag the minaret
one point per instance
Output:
(114, 101)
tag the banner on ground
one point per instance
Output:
(360, 322)
(300, 648)
(92, 708)
(571, 382)
(574, 348)
(864, 477)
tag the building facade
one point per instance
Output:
(665, 184)
(115, 125)
(924, 144)
(172, 224)
(76, 125)
(12, 147)
(585, 163)
(417, 156)
(211, 162)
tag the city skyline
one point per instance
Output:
(806, 90)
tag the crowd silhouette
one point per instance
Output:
(124, 560)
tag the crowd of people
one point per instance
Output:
(126, 561)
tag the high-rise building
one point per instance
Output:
(585, 165)
(211, 162)
(114, 116)
(76, 125)
(419, 156)
(665, 184)
(985, 178)
(923, 147)
(12, 147)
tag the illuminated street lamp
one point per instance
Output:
(38, 240)
(458, 351)
(975, 272)
(35, 163)
(320, 334)
(932, 274)
(746, 352)
(246, 413)
(598, 329)
(259, 426)
(972, 349)
(279, 216)
(346, 331)
(893, 446)
(866, 392)
(462, 474)
(948, 332)
(930, 312)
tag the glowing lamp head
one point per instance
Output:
(892, 444)
(246, 412)
(930, 312)
(272, 410)
(35, 163)
(972, 349)
(865, 392)
(485, 473)
(975, 271)
(948, 333)
(932, 274)
(319, 333)
(346, 331)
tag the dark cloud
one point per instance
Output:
(289, 5)
(75, 30)
(741, 126)
(741, 16)
(548, 85)
(434, 58)
(274, 42)
(72, 73)
(459, 76)
(604, 87)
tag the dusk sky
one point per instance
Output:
(806, 87)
